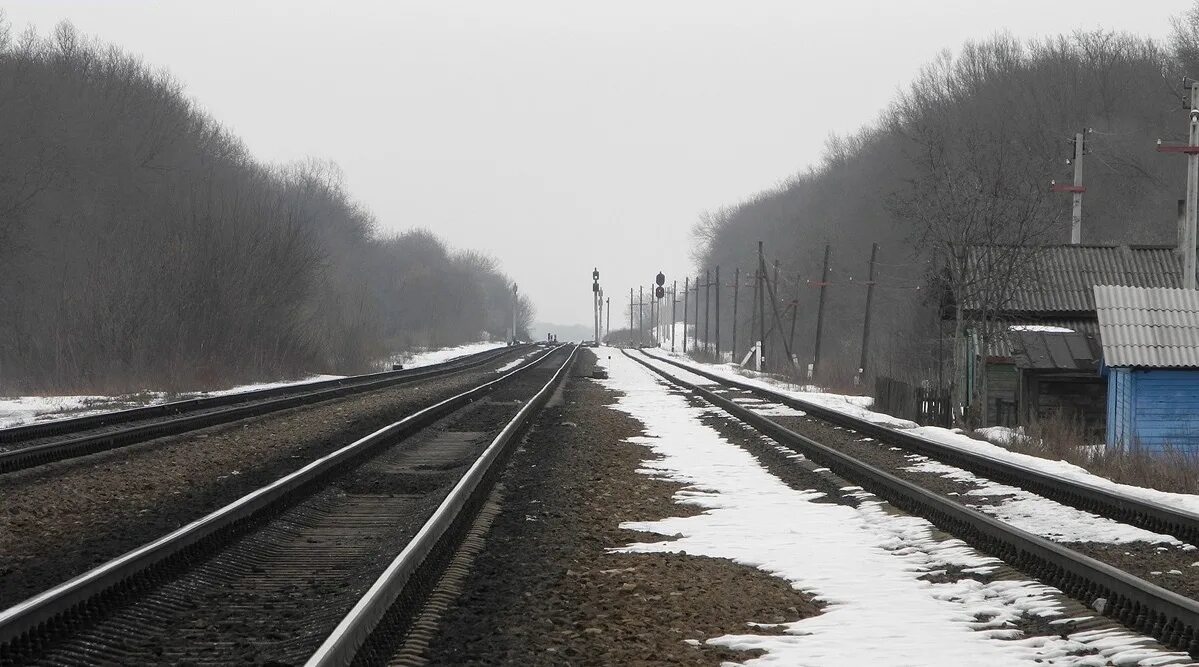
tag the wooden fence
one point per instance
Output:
(924, 406)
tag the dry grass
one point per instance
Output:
(1171, 469)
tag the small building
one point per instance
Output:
(1054, 290)
(1057, 376)
(1150, 339)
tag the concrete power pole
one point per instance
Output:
(686, 294)
(674, 305)
(1076, 217)
(1187, 236)
(1188, 252)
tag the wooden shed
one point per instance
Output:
(1058, 376)
(1150, 339)
(1055, 290)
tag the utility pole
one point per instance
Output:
(630, 316)
(1188, 253)
(599, 313)
(1077, 189)
(1191, 150)
(640, 310)
(717, 313)
(674, 304)
(653, 327)
(866, 324)
(596, 296)
(707, 308)
(794, 316)
(1076, 215)
(695, 348)
(820, 315)
(761, 311)
(514, 303)
(686, 292)
(736, 290)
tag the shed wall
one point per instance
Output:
(1153, 408)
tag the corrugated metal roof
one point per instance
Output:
(1061, 278)
(1053, 350)
(1001, 346)
(1149, 328)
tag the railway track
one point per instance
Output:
(1125, 509)
(1170, 618)
(305, 568)
(31, 445)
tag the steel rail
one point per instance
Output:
(35, 431)
(1170, 618)
(343, 644)
(1114, 505)
(76, 599)
(222, 409)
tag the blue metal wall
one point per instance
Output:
(1153, 408)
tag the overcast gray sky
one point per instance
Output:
(559, 135)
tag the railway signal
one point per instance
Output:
(597, 298)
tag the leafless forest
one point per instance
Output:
(142, 246)
(964, 156)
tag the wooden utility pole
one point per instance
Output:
(686, 292)
(795, 314)
(736, 292)
(866, 323)
(778, 321)
(761, 311)
(640, 318)
(820, 313)
(695, 348)
(717, 313)
(630, 316)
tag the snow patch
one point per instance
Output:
(864, 563)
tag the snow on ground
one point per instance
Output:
(512, 364)
(1035, 514)
(864, 563)
(1183, 501)
(25, 409)
(28, 409)
(430, 357)
(855, 406)
(954, 438)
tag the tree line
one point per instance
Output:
(141, 245)
(963, 157)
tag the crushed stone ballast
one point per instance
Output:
(323, 514)
(33, 445)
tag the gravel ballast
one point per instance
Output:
(546, 590)
(59, 520)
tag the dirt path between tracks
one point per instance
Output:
(547, 591)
